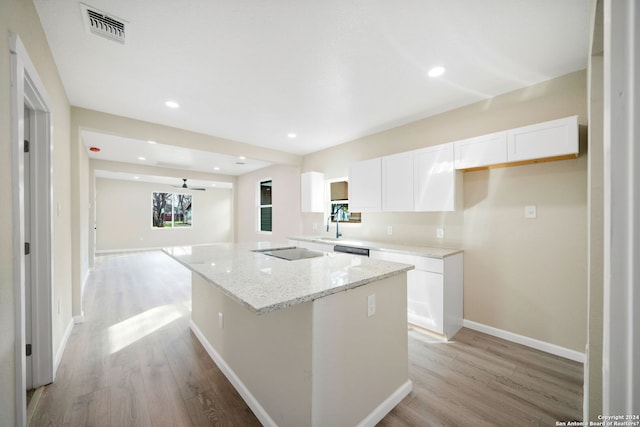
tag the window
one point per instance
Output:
(171, 210)
(265, 212)
(340, 203)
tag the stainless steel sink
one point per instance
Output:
(291, 254)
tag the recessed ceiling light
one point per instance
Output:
(242, 158)
(291, 135)
(172, 104)
(151, 142)
(216, 168)
(436, 71)
(136, 177)
(142, 158)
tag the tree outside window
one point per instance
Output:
(171, 210)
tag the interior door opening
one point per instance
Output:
(32, 223)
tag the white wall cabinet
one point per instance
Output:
(481, 151)
(365, 186)
(312, 192)
(548, 139)
(397, 182)
(436, 183)
(434, 291)
(555, 138)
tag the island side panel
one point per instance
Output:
(359, 360)
(269, 353)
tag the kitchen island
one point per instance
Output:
(318, 341)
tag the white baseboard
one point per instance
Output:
(529, 342)
(251, 401)
(79, 318)
(385, 407)
(63, 345)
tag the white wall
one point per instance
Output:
(20, 17)
(124, 209)
(523, 276)
(285, 199)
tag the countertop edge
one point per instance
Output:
(293, 301)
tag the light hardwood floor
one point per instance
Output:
(134, 362)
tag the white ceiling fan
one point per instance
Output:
(186, 187)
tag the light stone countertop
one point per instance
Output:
(424, 251)
(264, 283)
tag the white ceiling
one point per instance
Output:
(150, 153)
(329, 71)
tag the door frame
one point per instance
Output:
(28, 89)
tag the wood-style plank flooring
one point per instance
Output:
(134, 362)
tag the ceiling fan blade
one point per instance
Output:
(186, 187)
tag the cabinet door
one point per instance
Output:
(365, 186)
(481, 151)
(435, 179)
(549, 139)
(397, 182)
(312, 192)
(425, 300)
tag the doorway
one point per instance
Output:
(32, 227)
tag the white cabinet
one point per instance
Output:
(397, 182)
(548, 139)
(365, 186)
(312, 192)
(434, 291)
(481, 151)
(555, 138)
(436, 184)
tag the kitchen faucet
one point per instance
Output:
(335, 215)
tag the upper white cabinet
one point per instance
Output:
(312, 192)
(365, 186)
(555, 138)
(481, 151)
(436, 183)
(397, 182)
(548, 139)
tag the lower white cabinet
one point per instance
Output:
(434, 291)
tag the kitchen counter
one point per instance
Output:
(425, 251)
(263, 283)
(311, 342)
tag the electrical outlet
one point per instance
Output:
(371, 305)
(389, 230)
(530, 212)
(221, 320)
(440, 233)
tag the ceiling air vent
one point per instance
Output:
(103, 25)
